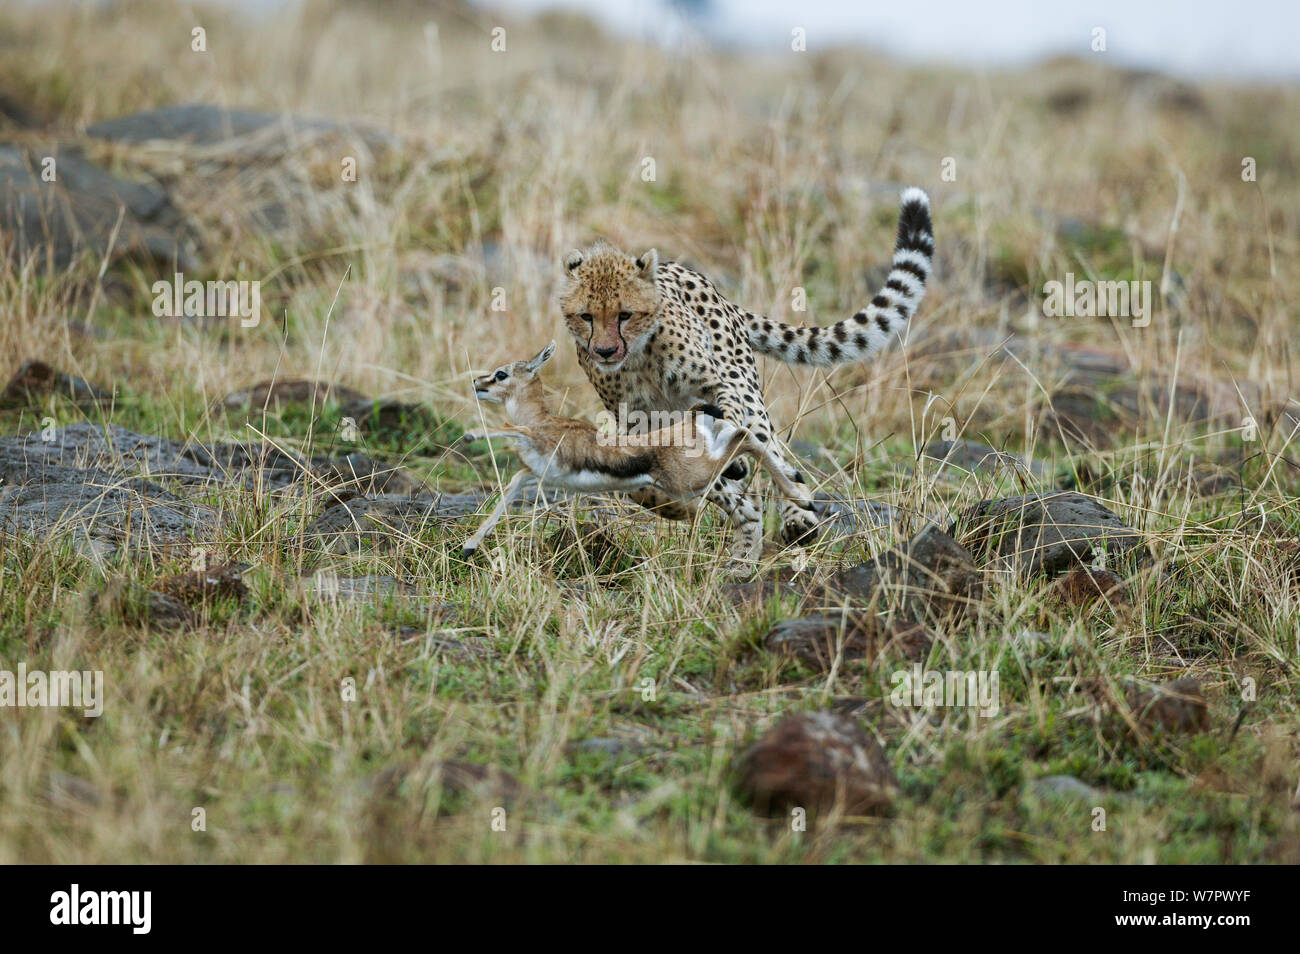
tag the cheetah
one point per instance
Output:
(656, 336)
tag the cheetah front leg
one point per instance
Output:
(746, 515)
(744, 406)
(800, 521)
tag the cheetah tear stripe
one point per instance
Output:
(861, 336)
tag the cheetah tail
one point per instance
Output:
(861, 336)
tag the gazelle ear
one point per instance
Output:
(572, 261)
(535, 364)
(648, 265)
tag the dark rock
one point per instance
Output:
(139, 606)
(83, 479)
(815, 639)
(66, 791)
(365, 475)
(36, 378)
(43, 492)
(1043, 533)
(1085, 586)
(816, 761)
(931, 574)
(274, 394)
(1177, 706)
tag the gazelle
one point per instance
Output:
(684, 461)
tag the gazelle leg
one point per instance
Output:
(513, 490)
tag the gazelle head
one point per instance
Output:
(509, 380)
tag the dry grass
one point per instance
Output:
(772, 173)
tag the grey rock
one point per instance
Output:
(977, 458)
(349, 524)
(842, 516)
(330, 587)
(205, 124)
(79, 211)
(1043, 533)
(106, 486)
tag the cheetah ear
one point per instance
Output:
(648, 264)
(572, 261)
(535, 364)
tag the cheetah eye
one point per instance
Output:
(586, 316)
(624, 315)
(500, 376)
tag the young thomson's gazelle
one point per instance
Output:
(683, 460)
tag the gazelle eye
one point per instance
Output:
(624, 315)
(586, 316)
(500, 376)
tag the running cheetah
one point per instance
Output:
(657, 336)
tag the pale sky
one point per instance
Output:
(1193, 38)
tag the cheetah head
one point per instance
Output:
(610, 302)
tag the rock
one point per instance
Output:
(255, 134)
(1043, 533)
(86, 209)
(1085, 586)
(331, 587)
(841, 516)
(814, 639)
(1177, 706)
(83, 481)
(139, 606)
(197, 588)
(753, 594)
(365, 475)
(1066, 787)
(349, 524)
(815, 761)
(274, 394)
(976, 458)
(97, 509)
(36, 378)
(930, 575)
